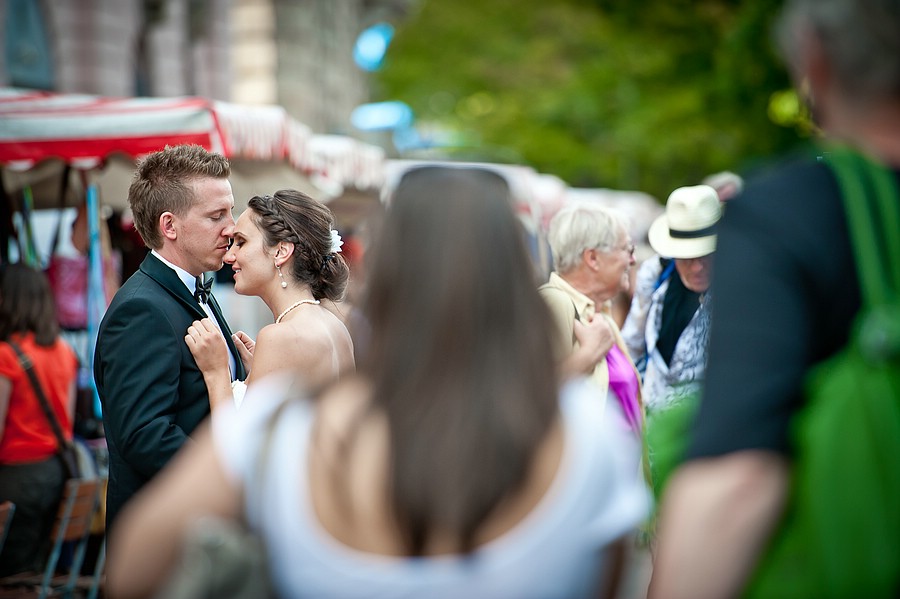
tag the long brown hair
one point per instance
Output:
(460, 359)
(26, 304)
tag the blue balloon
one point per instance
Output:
(371, 46)
(381, 116)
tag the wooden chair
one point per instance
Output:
(73, 524)
(7, 510)
(98, 578)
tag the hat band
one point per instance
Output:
(705, 232)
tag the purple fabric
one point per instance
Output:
(624, 383)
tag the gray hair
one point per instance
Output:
(859, 37)
(581, 226)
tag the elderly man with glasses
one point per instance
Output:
(592, 256)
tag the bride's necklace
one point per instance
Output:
(294, 305)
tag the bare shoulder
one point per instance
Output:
(340, 309)
(273, 333)
(317, 328)
(349, 470)
(313, 343)
(343, 402)
(342, 414)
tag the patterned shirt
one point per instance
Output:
(664, 384)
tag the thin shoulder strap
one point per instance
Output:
(871, 203)
(664, 274)
(28, 367)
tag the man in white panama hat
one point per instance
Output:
(668, 324)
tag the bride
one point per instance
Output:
(287, 253)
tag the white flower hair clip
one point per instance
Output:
(336, 242)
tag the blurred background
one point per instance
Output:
(610, 101)
(572, 100)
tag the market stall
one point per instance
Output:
(41, 132)
(65, 150)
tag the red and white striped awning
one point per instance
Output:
(84, 130)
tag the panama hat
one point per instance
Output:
(687, 229)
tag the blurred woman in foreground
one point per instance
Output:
(451, 466)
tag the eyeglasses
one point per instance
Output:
(621, 248)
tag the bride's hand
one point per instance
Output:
(245, 346)
(207, 344)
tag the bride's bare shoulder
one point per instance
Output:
(287, 334)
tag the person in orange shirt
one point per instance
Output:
(31, 473)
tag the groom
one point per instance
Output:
(152, 393)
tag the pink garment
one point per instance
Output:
(68, 276)
(624, 383)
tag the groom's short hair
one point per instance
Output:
(161, 183)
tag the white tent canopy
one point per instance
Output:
(40, 132)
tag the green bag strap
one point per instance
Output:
(871, 202)
(886, 191)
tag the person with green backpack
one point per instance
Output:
(789, 483)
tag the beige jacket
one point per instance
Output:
(565, 303)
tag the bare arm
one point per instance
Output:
(208, 347)
(716, 517)
(145, 543)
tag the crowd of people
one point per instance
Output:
(466, 432)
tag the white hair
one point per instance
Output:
(580, 226)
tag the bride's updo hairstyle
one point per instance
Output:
(294, 217)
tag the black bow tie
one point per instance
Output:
(202, 289)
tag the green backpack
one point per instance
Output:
(840, 536)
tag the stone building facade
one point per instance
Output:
(294, 53)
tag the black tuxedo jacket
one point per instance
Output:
(152, 393)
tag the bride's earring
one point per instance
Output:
(281, 276)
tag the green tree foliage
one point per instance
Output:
(645, 95)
